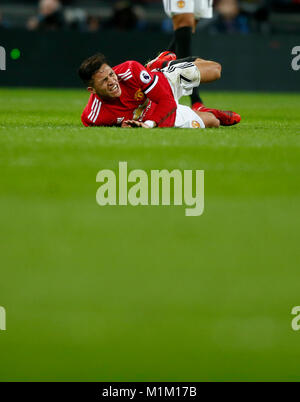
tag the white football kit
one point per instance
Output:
(183, 77)
(200, 8)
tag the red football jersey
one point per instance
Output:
(145, 96)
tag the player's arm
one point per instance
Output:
(166, 105)
(156, 89)
(94, 114)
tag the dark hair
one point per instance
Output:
(90, 66)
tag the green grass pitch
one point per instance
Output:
(145, 293)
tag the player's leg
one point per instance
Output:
(188, 118)
(166, 59)
(203, 9)
(183, 77)
(161, 61)
(209, 120)
(184, 25)
(212, 118)
(216, 118)
(225, 117)
(209, 70)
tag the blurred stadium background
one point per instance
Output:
(56, 36)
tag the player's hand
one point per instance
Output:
(133, 123)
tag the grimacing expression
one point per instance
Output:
(106, 83)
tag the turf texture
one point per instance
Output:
(146, 293)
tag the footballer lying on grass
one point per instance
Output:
(131, 95)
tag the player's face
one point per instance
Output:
(105, 83)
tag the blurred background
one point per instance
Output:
(53, 36)
(231, 16)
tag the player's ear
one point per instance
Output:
(91, 90)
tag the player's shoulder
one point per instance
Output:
(125, 71)
(128, 65)
(133, 70)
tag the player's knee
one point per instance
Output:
(215, 70)
(218, 70)
(183, 20)
(216, 122)
(210, 70)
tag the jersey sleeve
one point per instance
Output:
(154, 86)
(95, 115)
(160, 93)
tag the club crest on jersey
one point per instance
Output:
(138, 112)
(181, 4)
(139, 95)
(145, 77)
(195, 124)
